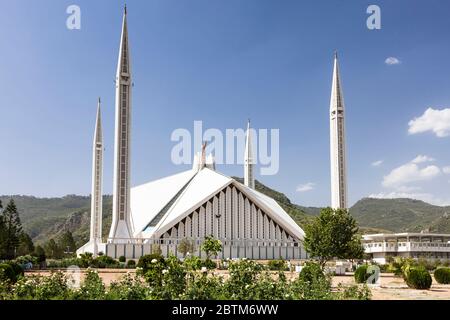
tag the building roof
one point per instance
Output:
(402, 235)
(158, 205)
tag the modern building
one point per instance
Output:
(190, 205)
(337, 142)
(407, 245)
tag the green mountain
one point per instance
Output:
(46, 218)
(401, 215)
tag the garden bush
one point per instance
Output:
(131, 264)
(104, 262)
(7, 273)
(278, 265)
(128, 288)
(442, 275)
(122, 259)
(18, 270)
(361, 275)
(312, 283)
(92, 287)
(418, 278)
(145, 262)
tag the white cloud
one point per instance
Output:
(392, 61)
(427, 197)
(410, 172)
(446, 170)
(422, 159)
(437, 121)
(377, 163)
(306, 187)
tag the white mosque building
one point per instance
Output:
(189, 205)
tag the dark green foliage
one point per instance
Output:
(361, 275)
(39, 252)
(52, 250)
(312, 283)
(442, 275)
(18, 270)
(104, 262)
(11, 230)
(26, 245)
(66, 243)
(92, 287)
(131, 264)
(145, 262)
(418, 278)
(278, 265)
(7, 272)
(122, 259)
(332, 234)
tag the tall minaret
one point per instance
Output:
(249, 179)
(121, 225)
(337, 142)
(97, 176)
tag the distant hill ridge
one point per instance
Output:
(46, 218)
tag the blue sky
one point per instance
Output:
(223, 62)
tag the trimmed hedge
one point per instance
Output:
(442, 275)
(419, 278)
(278, 265)
(361, 275)
(11, 271)
(131, 264)
(122, 259)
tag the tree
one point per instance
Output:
(211, 246)
(26, 245)
(355, 250)
(12, 230)
(52, 250)
(186, 246)
(332, 234)
(40, 254)
(67, 243)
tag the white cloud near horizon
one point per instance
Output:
(377, 163)
(306, 187)
(446, 170)
(411, 172)
(436, 121)
(392, 61)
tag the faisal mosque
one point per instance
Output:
(190, 205)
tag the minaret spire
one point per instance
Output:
(97, 176)
(121, 228)
(249, 179)
(337, 142)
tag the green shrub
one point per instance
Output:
(361, 275)
(131, 264)
(7, 272)
(278, 265)
(145, 262)
(243, 277)
(209, 264)
(418, 278)
(354, 292)
(122, 259)
(104, 262)
(312, 284)
(128, 288)
(442, 275)
(18, 270)
(92, 287)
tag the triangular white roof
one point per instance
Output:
(182, 193)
